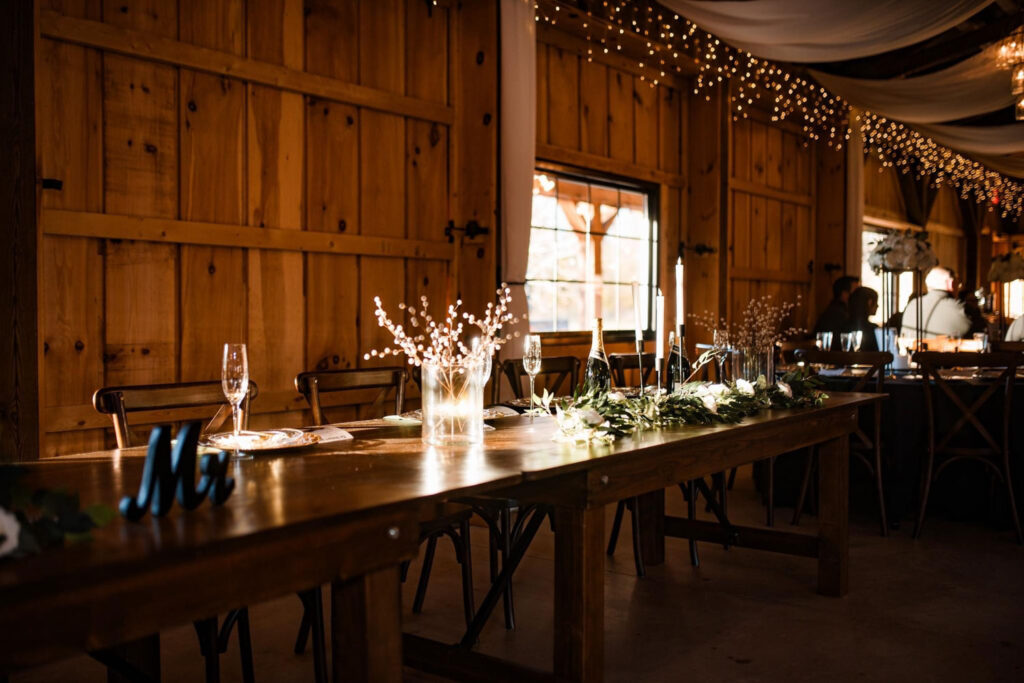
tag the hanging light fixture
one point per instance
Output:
(1017, 79)
(1011, 50)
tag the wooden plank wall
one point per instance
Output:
(771, 206)
(278, 163)
(600, 114)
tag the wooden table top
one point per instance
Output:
(382, 467)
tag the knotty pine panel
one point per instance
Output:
(332, 38)
(542, 93)
(594, 108)
(275, 31)
(332, 167)
(382, 173)
(216, 24)
(620, 116)
(645, 116)
(426, 51)
(882, 191)
(382, 44)
(669, 129)
(563, 98)
(153, 16)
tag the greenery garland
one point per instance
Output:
(604, 416)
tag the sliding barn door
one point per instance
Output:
(771, 222)
(257, 171)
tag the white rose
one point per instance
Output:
(718, 390)
(710, 403)
(786, 390)
(745, 387)
(9, 529)
(616, 396)
(591, 417)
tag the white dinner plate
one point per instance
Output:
(269, 440)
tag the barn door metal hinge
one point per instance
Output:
(52, 183)
(472, 229)
(832, 267)
(700, 249)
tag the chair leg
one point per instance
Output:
(638, 555)
(770, 511)
(465, 557)
(805, 482)
(691, 513)
(421, 588)
(319, 635)
(245, 646)
(1013, 502)
(926, 485)
(882, 518)
(616, 524)
(206, 632)
(732, 478)
(508, 603)
(303, 635)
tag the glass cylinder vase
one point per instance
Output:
(453, 404)
(749, 364)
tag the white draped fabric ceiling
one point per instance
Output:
(816, 31)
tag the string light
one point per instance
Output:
(670, 42)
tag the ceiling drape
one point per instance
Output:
(825, 30)
(984, 140)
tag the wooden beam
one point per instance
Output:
(788, 543)
(760, 190)
(151, 47)
(572, 157)
(19, 356)
(168, 231)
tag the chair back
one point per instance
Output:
(119, 402)
(715, 371)
(556, 370)
(789, 347)
(620, 362)
(314, 383)
(935, 384)
(872, 380)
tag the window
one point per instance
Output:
(1013, 295)
(868, 277)
(589, 241)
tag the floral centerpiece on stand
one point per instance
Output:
(1007, 267)
(902, 251)
(453, 369)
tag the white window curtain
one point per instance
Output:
(518, 145)
(825, 30)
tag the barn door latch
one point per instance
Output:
(472, 229)
(700, 249)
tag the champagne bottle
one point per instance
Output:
(598, 375)
(678, 364)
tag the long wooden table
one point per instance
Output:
(347, 514)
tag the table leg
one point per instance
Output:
(651, 511)
(833, 513)
(366, 628)
(579, 594)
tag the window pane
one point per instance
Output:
(572, 314)
(541, 262)
(571, 252)
(540, 301)
(545, 211)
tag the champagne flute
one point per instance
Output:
(531, 361)
(234, 380)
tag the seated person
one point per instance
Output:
(1015, 333)
(836, 316)
(863, 305)
(941, 313)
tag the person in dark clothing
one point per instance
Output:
(836, 316)
(863, 305)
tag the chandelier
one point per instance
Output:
(1010, 55)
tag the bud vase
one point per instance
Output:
(749, 364)
(453, 404)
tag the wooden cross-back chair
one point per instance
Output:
(451, 520)
(620, 362)
(313, 383)
(995, 453)
(788, 348)
(561, 368)
(866, 446)
(119, 402)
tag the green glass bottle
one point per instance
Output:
(598, 375)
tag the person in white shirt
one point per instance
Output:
(941, 313)
(1016, 331)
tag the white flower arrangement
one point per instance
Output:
(1007, 268)
(903, 250)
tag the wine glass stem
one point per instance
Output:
(531, 393)
(236, 416)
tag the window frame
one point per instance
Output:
(620, 182)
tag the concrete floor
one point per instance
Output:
(948, 607)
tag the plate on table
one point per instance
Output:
(415, 417)
(269, 440)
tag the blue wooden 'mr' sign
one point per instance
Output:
(167, 475)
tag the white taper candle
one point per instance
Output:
(680, 308)
(636, 312)
(659, 330)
